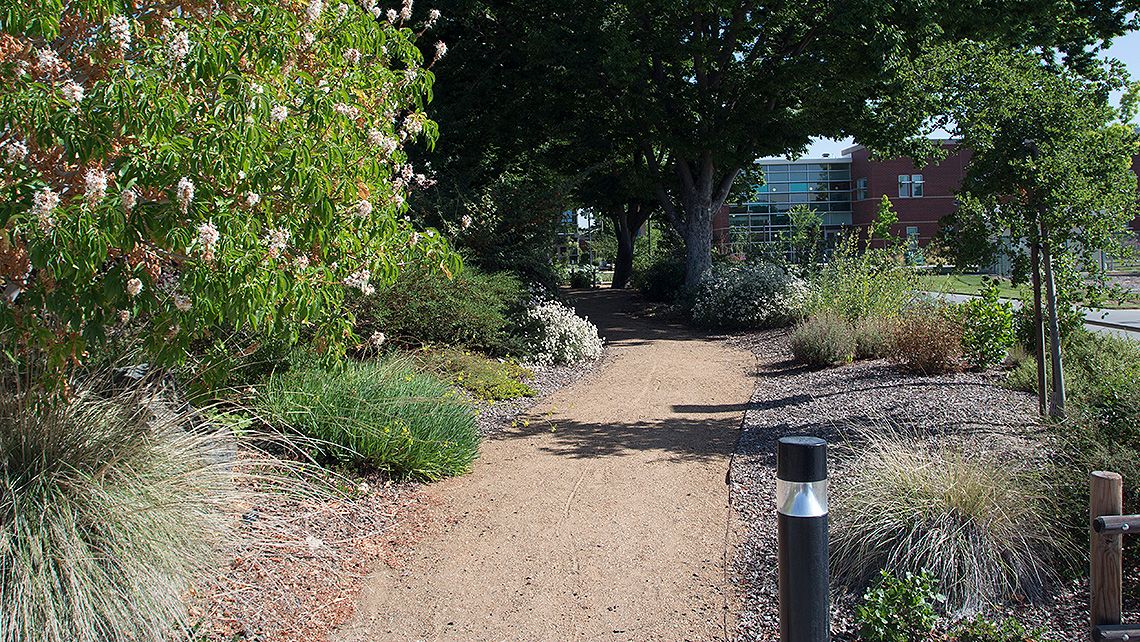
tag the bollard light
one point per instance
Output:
(801, 505)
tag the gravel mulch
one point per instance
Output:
(970, 408)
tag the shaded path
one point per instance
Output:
(605, 519)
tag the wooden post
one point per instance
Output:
(1106, 497)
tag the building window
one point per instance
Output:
(912, 231)
(911, 186)
(861, 189)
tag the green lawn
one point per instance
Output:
(971, 283)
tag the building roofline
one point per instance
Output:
(814, 159)
(858, 146)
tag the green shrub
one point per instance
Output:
(927, 340)
(109, 513)
(899, 609)
(874, 337)
(984, 528)
(472, 309)
(983, 629)
(987, 328)
(386, 415)
(660, 278)
(582, 276)
(858, 285)
(748, 296)
(823, 340)
(486, 378)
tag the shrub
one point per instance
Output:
(874, 337)
(582, 276)
(554, 334)
(928, 340)
(129, 191)
(859, 285)
(982, 527)
(982, 629)
(899, 609)
(987, 328)
(661, 278)
(488, 379)
(748, 296)
(472, 309)
(109, 512)
(386, 415)
(823, 340)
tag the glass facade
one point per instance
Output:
(824, 186)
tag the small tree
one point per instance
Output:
(203, 167)
(1051, 171)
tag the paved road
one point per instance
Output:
(606, 519)
(1128, 321)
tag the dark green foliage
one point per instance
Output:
(472, 309)
(824, 339)
(899, 609)
(987, 328)
(582, 276)
(486, 378)
(983, 629)
(659, 278)
(385, 415)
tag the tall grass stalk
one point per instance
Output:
(982, 526)
(109, 512)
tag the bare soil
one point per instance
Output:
(604, 516)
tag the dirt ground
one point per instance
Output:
(605, 518)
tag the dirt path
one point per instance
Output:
(606, 518)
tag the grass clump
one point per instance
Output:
(983, 528)
(484, 377)
(386, 415)
(109, 513)
(823, 340)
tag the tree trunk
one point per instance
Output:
(1057, 402)
(698, 243)
(1038, 327)
(626, 223)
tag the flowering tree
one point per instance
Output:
(205, 164)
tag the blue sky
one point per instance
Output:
(1126, 49)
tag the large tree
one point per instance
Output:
(711, 85)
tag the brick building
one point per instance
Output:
(846, 191)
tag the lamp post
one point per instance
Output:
(801, 505)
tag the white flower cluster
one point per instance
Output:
(95, 186)
(276, 241)
(179, 46)
(359, 280)
(134, 287)
(747, 296)
(440, 49)
(308, 38)
(252, 199)
(182, 302)
(208, 238)
(72, 91)
(120, 29)
(313, 11)
(556, 334)
(185, 194)
(279, 113)
(15, 151)
(363, 209)
(413, 124)
(393, 16)
(341, 11)
(465, 222)
(344, 109)
(352, 56)
(406, 11)
(433, 17)
(44, 203)
(48, 62)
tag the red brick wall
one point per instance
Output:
(941, 180)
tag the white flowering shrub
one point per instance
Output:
(554, 334)
(747, 296)
(202, 165)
